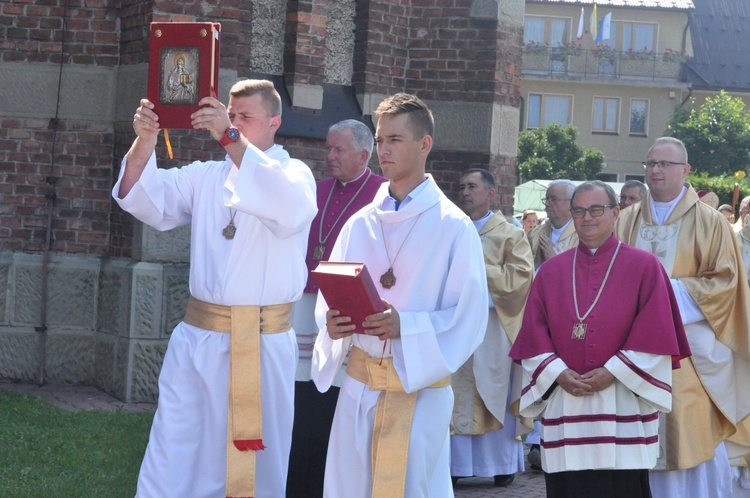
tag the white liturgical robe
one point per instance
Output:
(441, 298)
(271, 199)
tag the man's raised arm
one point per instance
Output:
(146, 127)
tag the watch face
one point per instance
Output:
(233, 133)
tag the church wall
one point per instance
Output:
(115, 288)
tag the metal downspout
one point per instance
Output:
(51, 195)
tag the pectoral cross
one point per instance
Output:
(579, 331)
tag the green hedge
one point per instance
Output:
(722, 186)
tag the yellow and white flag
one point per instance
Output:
(594, 24)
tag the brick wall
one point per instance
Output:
(67, 158)
(115, 314)
(508, 66)
(33, 31)
(438, 52)
(304, 54)
(79, 176)
(452, 56)
(380, 46)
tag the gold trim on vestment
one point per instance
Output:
(697, 422)
(244, 415)
(393, 417)
(692, 408)
(509, 261)
(482, 420)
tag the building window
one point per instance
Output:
(639, 117)
(548, 109)
(637, 37)
(640, 178)
(551, 32)
(605, 114)
(631, 36)
(607, 177)
(546, 30)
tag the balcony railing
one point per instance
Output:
(609, 64)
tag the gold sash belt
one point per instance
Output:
(393, 417)
(244, 416)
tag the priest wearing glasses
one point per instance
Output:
(710, 420)
(601, 334)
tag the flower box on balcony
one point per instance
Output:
(670, 55)
(569, 48)
(640, 55)
(603, 52)
(533, 47)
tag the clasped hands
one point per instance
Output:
(547, 247)
(587, 384)
(385, 325)
(212, 116)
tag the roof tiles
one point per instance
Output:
(720, 31)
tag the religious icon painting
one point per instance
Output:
(183, 68)
(179, 75)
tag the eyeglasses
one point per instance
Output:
(550, 200)
(595, 210)
(661, 164)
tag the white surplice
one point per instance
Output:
(272, 200)
(441, 297)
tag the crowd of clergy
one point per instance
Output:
(611, 338)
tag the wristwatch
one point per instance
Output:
(231, 135)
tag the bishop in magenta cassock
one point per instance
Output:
(600, 336)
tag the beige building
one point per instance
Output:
(618, 90)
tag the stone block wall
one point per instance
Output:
(72, 288)
(116, 289)
(108, 321)
(140, 304)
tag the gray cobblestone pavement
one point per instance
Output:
(529, 484)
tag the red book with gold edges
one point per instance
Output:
(348, 287)
(183, 67)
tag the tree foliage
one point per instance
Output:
(552, 153)
(716, 135)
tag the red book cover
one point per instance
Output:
(183, 67)
(348, 287)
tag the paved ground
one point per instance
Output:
(76, 398)
(529, 484)
(526, 485)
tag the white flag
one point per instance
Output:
(580, 25)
